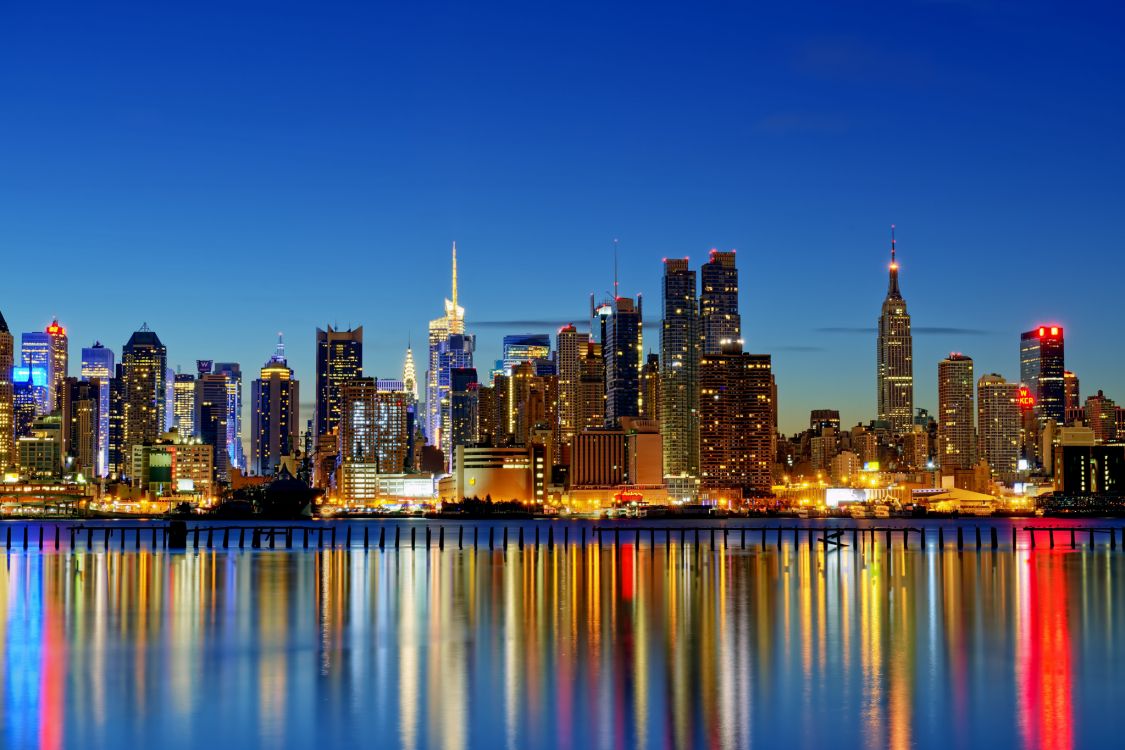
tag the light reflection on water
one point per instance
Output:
(629, 647)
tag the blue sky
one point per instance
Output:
(226, 171)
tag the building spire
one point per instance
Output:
(280, 352)
(892, 285)
(454, 279)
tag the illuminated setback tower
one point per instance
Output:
(144, 364)
(437, 376)
(895, 357)
(1042, 369)
(275, 399)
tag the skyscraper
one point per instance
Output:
(680, 345)
(736, 436)
(464, 406)
(211, 415)
(451, 323)
(80, 425)
(339, 360)
(97, 363)
(7, 396)
(956, 437)
(36, 353)
(570, 349)
(183, 405)
(410, 376)
(144, 362)
(60, 359)
(590, 411)
(275, 399)
(235, 451)
(718, 302)
(453, 353)
(650, 388)
(1101, 417)
(525, 347)
(895, 358)
(1071, 391)
(998, 425)
(621, 348)
(373, 438)
(1042, 369)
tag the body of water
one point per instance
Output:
(613, 646)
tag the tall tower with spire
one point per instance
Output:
(448, 347)
(895, 356)
(410, 374)
(276, 418)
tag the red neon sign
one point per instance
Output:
(1025, 398)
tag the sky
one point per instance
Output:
(226, 171)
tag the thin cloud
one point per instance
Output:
(922, 330)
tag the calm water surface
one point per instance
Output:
(590, 648)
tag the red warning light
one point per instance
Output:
(1025, 399)
(1054, 330)
(1042, 331)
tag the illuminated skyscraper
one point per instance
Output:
(718, 302)
(410, 376)
(7, 396)
(650, 388)
(570, 348)
(144, 362)
(80, 423)
(211, 415)
(590, 411)
(60, 360)
(183, 405)
(373, 438)
(455, 352)
(1101, 417)
(895, 357)
(275, 399)
(956, 437)
(339, 360)
(453, 322)
(1042, 368)
(235, 451)
(464, 406)
(97, 363)
(736, 436)
(621, 348)
(1071, 390)
(998, 425)
(680, 344)
(36, 353)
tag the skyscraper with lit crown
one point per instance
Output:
(339, 360)
(410, 375)
(275, 399)
(144, 364)
(895, 357)
(437, 375)
(60, 359)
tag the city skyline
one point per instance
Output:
(793, 414)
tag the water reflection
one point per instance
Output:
(612, 647)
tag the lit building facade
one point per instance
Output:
(236, 455)
(1101, 417)
(451, 323)
(183, 405)
(1043, 369)
(339, 360)
(7, 397)
(59, 346)
(98, 364)
(275, 398)
(998, 425)
(373, 438)
(622, 344)
(80, 423)
(144, 364)
(719, 318)
(680, 344)
(736, 436)
(172, 465)
(454, 353)
(570, 349)
(211, 419)
(956, 413)
(895, 358)
(36, 356)
(526, 347)
(464, 406)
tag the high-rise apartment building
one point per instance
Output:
(590, 411)
(464, 414)
(895, 358)
(1101, 417)
(956, 413)
(373, 438)
(81, 420)
(680, 344)
(621, 350)
(719, 318)
(339, 360)
(211, 419)
(1071, 395)
(736, 436)
(650, 388)
(998, 425)
(144, 363)
(98, 364)
(7, 397)
(1042, 368)
(275, 398)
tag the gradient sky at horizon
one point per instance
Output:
(227, 171)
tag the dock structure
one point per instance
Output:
(727, 537)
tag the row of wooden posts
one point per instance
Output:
(177, 536)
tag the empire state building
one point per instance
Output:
(895, 367)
